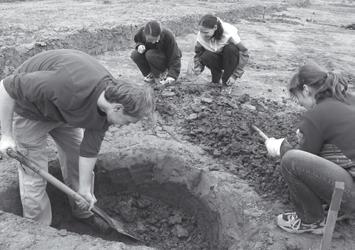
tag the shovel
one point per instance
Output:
(114, 224)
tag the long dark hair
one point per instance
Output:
(325, 84)
(152, 28)
(209, 21)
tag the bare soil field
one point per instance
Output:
(201, 132)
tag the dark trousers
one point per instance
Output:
(152, 61)
(311, 180)
(227, 61)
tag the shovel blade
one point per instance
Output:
(114, 224)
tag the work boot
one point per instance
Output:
(97, 224)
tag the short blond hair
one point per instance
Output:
(137, 100)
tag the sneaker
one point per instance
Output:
(97, 224)
(291, 223)
(149, 78)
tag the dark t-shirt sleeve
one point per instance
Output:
(312, 136)
(90, 146)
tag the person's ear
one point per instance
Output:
(306, 91)
(215, 27)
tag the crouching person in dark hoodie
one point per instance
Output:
(157, 54)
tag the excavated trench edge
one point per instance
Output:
(166, 178)
(118, 38)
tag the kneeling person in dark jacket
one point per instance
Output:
(157, 54)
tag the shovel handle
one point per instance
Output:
(261, 133)
(68, 191)
(48, 177)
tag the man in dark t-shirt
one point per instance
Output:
(71, 96)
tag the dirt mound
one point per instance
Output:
(219, 123)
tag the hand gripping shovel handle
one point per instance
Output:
(68, 191)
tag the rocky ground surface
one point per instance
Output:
(195, 113)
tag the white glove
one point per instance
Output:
(168, 80)
(6, 142)
(273, 146)
(141, 49)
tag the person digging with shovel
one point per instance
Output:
(73, 98)
(219, 47)
(157, 54)
(326, 152)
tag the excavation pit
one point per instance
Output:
(163, 216)
(164, 197)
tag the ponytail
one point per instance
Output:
(325, 84)
(334, 86)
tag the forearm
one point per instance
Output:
(7, 105)
(86, 166)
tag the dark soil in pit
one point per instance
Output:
(219, 124)
(153, 222)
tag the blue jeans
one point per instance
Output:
(311, 180)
